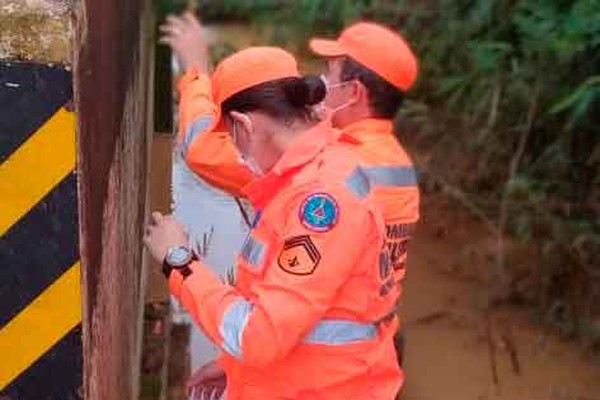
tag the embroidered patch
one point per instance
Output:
(319, 212)
(299, 256)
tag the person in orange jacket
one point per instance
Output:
(370, 68)
(312, 312)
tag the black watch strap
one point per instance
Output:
(184, 270)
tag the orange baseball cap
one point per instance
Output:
(376, 47)
(251, 67)
(248, 68)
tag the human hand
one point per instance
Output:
(207, 383)
(163, 233)
(185, 37)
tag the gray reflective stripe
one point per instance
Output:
(358, 182)
(198, 126)
(253, 251)
(233, 325)
(340, 332)
(362, 178)
(392, 176)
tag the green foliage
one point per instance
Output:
(514, 69)
(579, 102)
(230, 10)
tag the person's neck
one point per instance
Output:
(283, 136)
(349, 117)
(286, 134)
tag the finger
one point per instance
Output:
(178, 23)
(167, 28)
(173, 31)
(208, 392)
(219, 392)
(193, 382)
(167, 40)
(174, 19)
(173, 27)
(157, 217)
(192, 19)
(170, 24)
(211, 393)
(147, 242)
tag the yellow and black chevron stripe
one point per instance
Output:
(40, 301)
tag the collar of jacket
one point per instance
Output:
(355, 132)
(303, 149)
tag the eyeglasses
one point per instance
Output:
(329, 86)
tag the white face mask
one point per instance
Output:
(246, 159)
(322, 110)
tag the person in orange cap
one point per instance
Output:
(312, 312)
(369, 69)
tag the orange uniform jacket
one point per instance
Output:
(393, 181)
(386, 166)
(209, 152)
(311, 314)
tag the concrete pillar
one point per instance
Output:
(73, 195)
(40, 293)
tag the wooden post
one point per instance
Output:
(113, 66)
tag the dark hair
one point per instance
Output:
(384, 99)
(285, 99)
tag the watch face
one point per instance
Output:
(179, 256)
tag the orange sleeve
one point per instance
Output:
(299, 286)
(209, 153)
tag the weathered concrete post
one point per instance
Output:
(40, 294)
(73, 204)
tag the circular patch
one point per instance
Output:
(319, 212)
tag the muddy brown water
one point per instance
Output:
(448, 344)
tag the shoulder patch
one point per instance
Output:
(319, 212)
(299, 256)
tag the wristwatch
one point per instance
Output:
(178, 258)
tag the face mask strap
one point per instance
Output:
(234, 130)
(244, 158)
(329, 86)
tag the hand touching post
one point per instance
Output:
(163, 233)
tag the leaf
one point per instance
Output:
(452, 84)
(591, 84)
